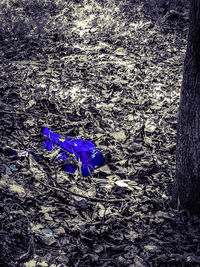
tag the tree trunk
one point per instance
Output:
(186, 191)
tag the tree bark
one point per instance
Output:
(186, 191)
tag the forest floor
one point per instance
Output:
(110, 73)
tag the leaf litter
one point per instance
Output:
(104, 72)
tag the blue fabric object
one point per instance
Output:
(85, 151)
(70, 168)
(52, 140)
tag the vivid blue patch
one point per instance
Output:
(12, 166)
(85, 151)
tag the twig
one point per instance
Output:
(93, 199)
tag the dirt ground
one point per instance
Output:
(109, 72)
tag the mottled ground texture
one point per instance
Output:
(106, 71)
